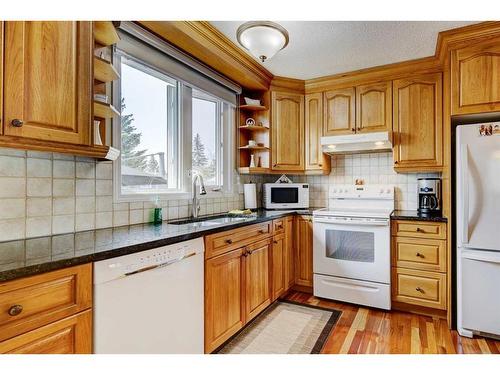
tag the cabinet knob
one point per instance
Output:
(320, 165)
(245, 254)
(229, 241)
(15, 310)
(17, 123)
(420, 230)
(249, 252)
(419, 289)
(274, 165)
(395, 162)
(275, 242)
(420, 255)
(353, 130)
(262, 231)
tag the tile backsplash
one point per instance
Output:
(49, 193)
(372, 168)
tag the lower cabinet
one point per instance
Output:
(71, 335)
(50, 313)
(257, 271)
(304, 251)
(289, 253)
(278, 263)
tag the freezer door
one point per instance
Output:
(478, 188)
(480, 295)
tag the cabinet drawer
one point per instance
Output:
(31, 302)
(419, 253)
(72, 335)
(422, 229)
(279, 226)
(420, 288)
(220, 243)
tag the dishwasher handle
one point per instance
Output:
(161, 265)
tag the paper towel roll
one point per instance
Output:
(250, 191)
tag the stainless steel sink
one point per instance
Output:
(211, 221)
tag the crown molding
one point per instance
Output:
(287, 84)
(207, 44)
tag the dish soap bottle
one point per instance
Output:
(158, 217)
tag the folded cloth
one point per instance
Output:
(240, 212)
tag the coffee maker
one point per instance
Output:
(429, 195)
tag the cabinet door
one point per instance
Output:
(315, 159)
(72, 335)
(374, 107)
(223, 298)
(257, 277)
(339, 109)
(417, 123)
(289, 254)
(475, 79)
(278, 264)
(47, 80)
(304, 256)
(287, 131)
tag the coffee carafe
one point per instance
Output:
(429, 195)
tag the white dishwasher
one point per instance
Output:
(150, 302)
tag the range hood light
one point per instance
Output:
(332, 147)
(379, 143)
(355, 143)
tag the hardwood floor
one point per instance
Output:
(365, 330)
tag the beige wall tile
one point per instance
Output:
(39, 187)
(63, 169)
(63, 224)
(136, 216)
(63, 206)
(104, 203)
(84, 221)
(85, 170)
(12, 166)
(85, 204)
(12, 229)
(64, 188)
(85, 187)
(12, 187)
(12, 208)
(104, 187)
(12, 252)
(38, 248)
(12, 152)
(120, 218)
(38, 167)
(104, 171)
(103, 219)
(38, 226)
(38, 207)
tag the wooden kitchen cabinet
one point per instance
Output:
(418, 123)
(287, 129)
(257, 272)
(304, 251)
(339, 112)
(315, 159)
(224, 297)
(72, 335)
(278, 265)
(47, 84)
(374, 107)
(47, 313)
(475, 78)
(289, 253)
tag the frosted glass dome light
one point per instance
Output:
(263, 39)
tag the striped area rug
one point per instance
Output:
(285, 328)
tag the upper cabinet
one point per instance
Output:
(287, 131)
(316, 160)
(339, 109)
(48, 81)
(417, 123)
(475, 79)
(374, 107)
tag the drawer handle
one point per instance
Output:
(420, 255)
(15, 310)
(275, 241)
(229, 241)
(419, 289)
(245, 254)
(17, 123)
(262, 231)
(280, 226)
(420, 230)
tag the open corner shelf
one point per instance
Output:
(105, 33)
(253, 170)
(254, 128)
(104, 71)
(257, 148)
(247, 107)
(104, 110)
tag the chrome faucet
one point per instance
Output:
(196, 202)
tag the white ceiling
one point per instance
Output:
(321, 48)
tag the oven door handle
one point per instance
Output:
(379, 222)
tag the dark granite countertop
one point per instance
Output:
(32, 256)
(417, 216)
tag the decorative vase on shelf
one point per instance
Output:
(97, 133)
(252, 161)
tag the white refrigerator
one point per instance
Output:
(478, 229)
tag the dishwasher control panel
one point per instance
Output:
(123, 266)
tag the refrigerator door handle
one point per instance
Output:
(465, 193)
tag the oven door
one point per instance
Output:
(352, 248)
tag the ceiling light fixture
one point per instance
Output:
(263, 39)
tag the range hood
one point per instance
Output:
(348, 144)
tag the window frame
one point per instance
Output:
(226, 121)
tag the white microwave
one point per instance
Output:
(285, 196)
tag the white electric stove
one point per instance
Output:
(351, 245)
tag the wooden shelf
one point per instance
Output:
(254, 148)
(254, 128)
(105, 33)
(104, 110)
(104, 71)
(247, 107)
(254, 170)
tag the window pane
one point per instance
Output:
(149, 130)
(206, 139)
